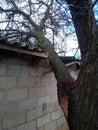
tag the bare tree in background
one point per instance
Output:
(19, 20)
(83, 101)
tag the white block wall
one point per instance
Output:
(28, 101)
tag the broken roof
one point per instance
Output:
(5, 46)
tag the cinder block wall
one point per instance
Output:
(28, 100)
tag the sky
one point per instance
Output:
(72, 45)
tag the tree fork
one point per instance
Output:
(83, 103)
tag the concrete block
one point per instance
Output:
(37, 92)
(26, 82)
(17, 70)
(34, 113)
(47, 108)
(8, 109)
(61, 121)
(54, 98)
(28, 126)
(7, 82)
(27, 104)
(2, 95)
(3, 69)
(42, 100)
(55, 115)
(33, 72)
(42, 128)
(14, 120)
(43, 120)
(51, 89)
(12, 128)
(16, 94)
(51, 126)
(44, 82)
(1, 122)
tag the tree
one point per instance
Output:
(83, 96)
(83, 101)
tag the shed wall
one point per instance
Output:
(28, 99)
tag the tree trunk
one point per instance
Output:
(64, 79)
(83, 100)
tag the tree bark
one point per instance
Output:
(83, 100)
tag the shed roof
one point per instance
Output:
(19, 49)
(5, 46)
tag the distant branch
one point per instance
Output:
(46, 14)
(18, 11)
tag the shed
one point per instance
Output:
(28, 99)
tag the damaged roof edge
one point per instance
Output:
(70, 60)
(21, 50)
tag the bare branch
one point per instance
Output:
(34, 18)
(13, 3)
(46, 14)
(29, 1)
(18, 11)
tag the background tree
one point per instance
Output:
(83, 102)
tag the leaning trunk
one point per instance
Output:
(63, 77)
